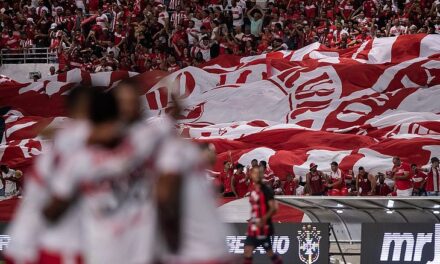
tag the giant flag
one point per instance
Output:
(358, 106)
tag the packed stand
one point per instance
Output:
(402, 180)
(144, 35)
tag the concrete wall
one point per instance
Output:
(20, 72)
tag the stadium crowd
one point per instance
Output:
(143, 35)
(402, 180)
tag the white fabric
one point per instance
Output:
(407, 192)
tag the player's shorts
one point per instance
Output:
(265, 242)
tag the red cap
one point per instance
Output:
(313, 165)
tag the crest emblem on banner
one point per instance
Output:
(308, 244)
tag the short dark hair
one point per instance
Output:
(434, 159)
(103, 107)
(254, 160)
(76, 95)
(413, 165)
(334, 163)
(239, 166)
(361, 168)
(263, 163)
(4, 168)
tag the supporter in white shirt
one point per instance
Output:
(102, 21)
(10, 178)
(191, 32)
(163, 16)
(397, 30)
(237, 14)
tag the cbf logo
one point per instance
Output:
(308, 240)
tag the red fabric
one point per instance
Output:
(7, 209)
(47, 257)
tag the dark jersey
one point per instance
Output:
(259, 199)
(364, 184)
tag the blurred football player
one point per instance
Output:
(34, 241)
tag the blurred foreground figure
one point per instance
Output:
(260, 227)
(34, 241)
(188, 229)
(133, 192)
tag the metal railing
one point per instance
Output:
(28, 55)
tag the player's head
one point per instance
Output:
(208, 153)
(435, 162)
(255, 175)
(226, 165)
(334, 166)
(263, 164)
(254, 163)
(4, 168)
(239, 168)
(127, 94)
(414, 167)
(396, 161)
(313, 167)
(361, 170)
(104, 120)
(78, 102)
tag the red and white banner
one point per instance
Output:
(358, 106)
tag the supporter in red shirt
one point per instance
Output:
(418, 179)
(226, 179)
(315, 181)
(365, 183)
(310, 10)
(402, 178)
(12, 42)
(347, 9)
(382, 189)
(368, 6)
(240, 182)
(289, 187)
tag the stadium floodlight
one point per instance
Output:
(437, 206)
(390, 204)
(389, 212)
(339, 205)
(436, 212)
